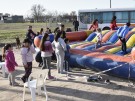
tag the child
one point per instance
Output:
(99, 37)
(60, 47)
(10, 64)
(67, 55)
(46, 54)
(27, 52)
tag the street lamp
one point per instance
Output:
(110, 3)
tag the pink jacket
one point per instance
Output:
(10, 61)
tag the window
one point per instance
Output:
(132, 17)
(122, 17)
(107, 17)
(89, 17)
(85, 18)
(96, 15)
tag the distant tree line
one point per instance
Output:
(40, 14)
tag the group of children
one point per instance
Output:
(27, 52)
(59, 46)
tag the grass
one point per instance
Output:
(8, 31)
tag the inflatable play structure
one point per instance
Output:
(84, 54)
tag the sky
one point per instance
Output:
(22, 7)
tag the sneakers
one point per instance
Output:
(14, 84)
(23, 80)
(51, 77)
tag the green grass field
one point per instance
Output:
(8, 31)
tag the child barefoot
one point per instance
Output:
(27, 52)
(10, 64)
(99, 37)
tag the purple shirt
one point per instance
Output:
(10, 61)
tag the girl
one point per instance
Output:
(46, 54)
(60, 47)
(99, 37)
(113, 24)
(27, 52)
(94, 25)
(10, 64)
(41, 31)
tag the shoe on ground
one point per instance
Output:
(51, 77)
(23, 80)
(15, 84)
(10, 84)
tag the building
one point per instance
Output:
(6, 18)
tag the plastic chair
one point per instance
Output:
(36, 84)
(2, 66)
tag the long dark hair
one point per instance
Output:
(113, 19)
(41, 30)
(94, 22)
(57, 36)
(27, 41)
(4, 51)
(42, 48)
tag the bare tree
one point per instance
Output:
(37, 12)
(73, 15)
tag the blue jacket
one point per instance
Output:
(67, 53)
(123, 31)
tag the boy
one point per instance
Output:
(122, 32)
(67, 55)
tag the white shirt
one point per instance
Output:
(59, 46)
(27, 55)
(99, 36)
(46, 54)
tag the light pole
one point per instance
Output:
(110, 3)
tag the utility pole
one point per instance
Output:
(110, 3)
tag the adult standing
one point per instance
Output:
(94, 25)
(76, 25)
(30, 34)
(60, 47)
(113, 24)
(122, 32)
(62, 31)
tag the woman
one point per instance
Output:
(113, 24)
(60, 47)
(94, 25)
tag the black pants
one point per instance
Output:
(27, 71)
(124, 47)
(66, 63)
(76, 28)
